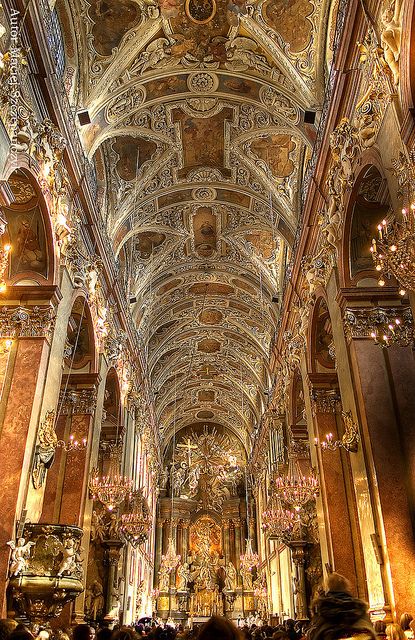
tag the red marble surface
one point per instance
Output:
(13, 438)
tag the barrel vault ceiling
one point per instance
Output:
(197, 132)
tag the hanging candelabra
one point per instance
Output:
(136, 524)
(249, 559)
(277, 522)
(113, 488)
(294, 488)
(170, 559)
(393, 252)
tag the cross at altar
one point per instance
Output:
(189, 447)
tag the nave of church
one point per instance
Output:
(207, 221)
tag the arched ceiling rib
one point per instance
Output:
(199, 141)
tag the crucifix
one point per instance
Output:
(188, 446)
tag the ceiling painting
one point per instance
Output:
(199, 145)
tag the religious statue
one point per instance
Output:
(179, 476)
(246, 578)
(98, 527)
(230, 579)
(19, 560)
(114, 527)
(183, 575)
(164, 578)
(94, 602)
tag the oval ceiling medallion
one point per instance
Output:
(205, 415)
(200, 11)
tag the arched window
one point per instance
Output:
(57, 44)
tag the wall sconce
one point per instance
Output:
(349, 441)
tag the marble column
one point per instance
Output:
(238, 546)
(339, 526)
(226, 540)
(158, 551)
(388, 432)
(113, 551)
(77, 462)
(19, 411)
(185, 539)
(298, 556)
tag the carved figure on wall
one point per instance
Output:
(164, 578)
(19, 560)
(114, 527)
(68, 562)
(345, 147)
(98, 527)
(331, 221)
(246, 578)
(391, 35)
(94, 602)
(230, 579)
(179, 476)
(183, 575)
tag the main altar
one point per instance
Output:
(204, 531)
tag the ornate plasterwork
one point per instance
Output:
(27, 322)
(203, 204)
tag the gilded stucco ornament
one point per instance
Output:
(391, 33)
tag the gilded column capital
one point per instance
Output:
(325, 401)
(373, 322)
(27, 322)
(73, 402)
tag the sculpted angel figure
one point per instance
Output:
(68, 562)
(158, 54)
(20, 556)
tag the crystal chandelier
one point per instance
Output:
(293, 488)
(136, 524)
(249, 559)
(277, 522)
(394, 251)
(170, 560)
(112, 488)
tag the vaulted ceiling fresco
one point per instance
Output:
(198, 137)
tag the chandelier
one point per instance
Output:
(136, 524)
(293, 488)
(277, 522)
(73, 444)
(249, 559)
(170, 560)
(113, 488)
(394, 251)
